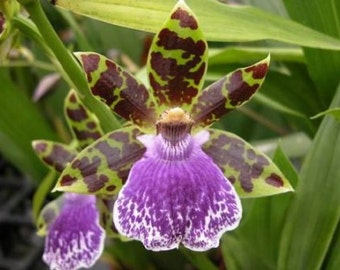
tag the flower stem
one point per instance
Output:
(69, 65)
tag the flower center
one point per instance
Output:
(174, 125)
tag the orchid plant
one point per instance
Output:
(177, 180)
(163, 168)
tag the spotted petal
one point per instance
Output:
(75, 238)
(54, 155)
(83, 124)
(228, 93)
(175, 196)
(118, 89)
(102, 167)
(252, 173)
(177, 60)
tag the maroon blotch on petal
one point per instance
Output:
(67, 180)
(88, 169)
(170, 40)
(274, 180)
(109, 81)
(58, 158)
(77, 115)
(90, 63)
(95, 182)
(184, 18)
(210, 104)
(73, 98)
(177, 89)
(111, 188)
(124, 95)
(259, 71)
(232, 152)
(91, 125)
(239, 90)
(83, 135)
(136, 110)
(40, 147)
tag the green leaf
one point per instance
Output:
(54, 155)
(20, 123)
(332, 260)
(323, 65)
(316, 201)
(335, 112)
(118, 89)
(272, 103)
(285, 165)
(295, 145)
(251, 54)
(228, 93)
(214, 17)
(252, 173)
(177, 60)
(83, 124)
(294, 93)
(102, 167)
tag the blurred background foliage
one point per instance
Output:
(289, 231)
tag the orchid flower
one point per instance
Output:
(71, 223)
(178, 181)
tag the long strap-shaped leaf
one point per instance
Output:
(102, 167)
(252, 173)
(220, 22)
(317, 201)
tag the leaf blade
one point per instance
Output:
(212, 16)
(316, 199)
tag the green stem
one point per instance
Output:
(69, 64)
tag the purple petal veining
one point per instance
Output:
(176, 194)
(75, 238)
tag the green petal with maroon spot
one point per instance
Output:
(105, 206)
(118, 89)
(252, 173)
(177, 60)
(83, 124)
(54, 155)
(102, 167)
(228, 93)
(48, 214)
